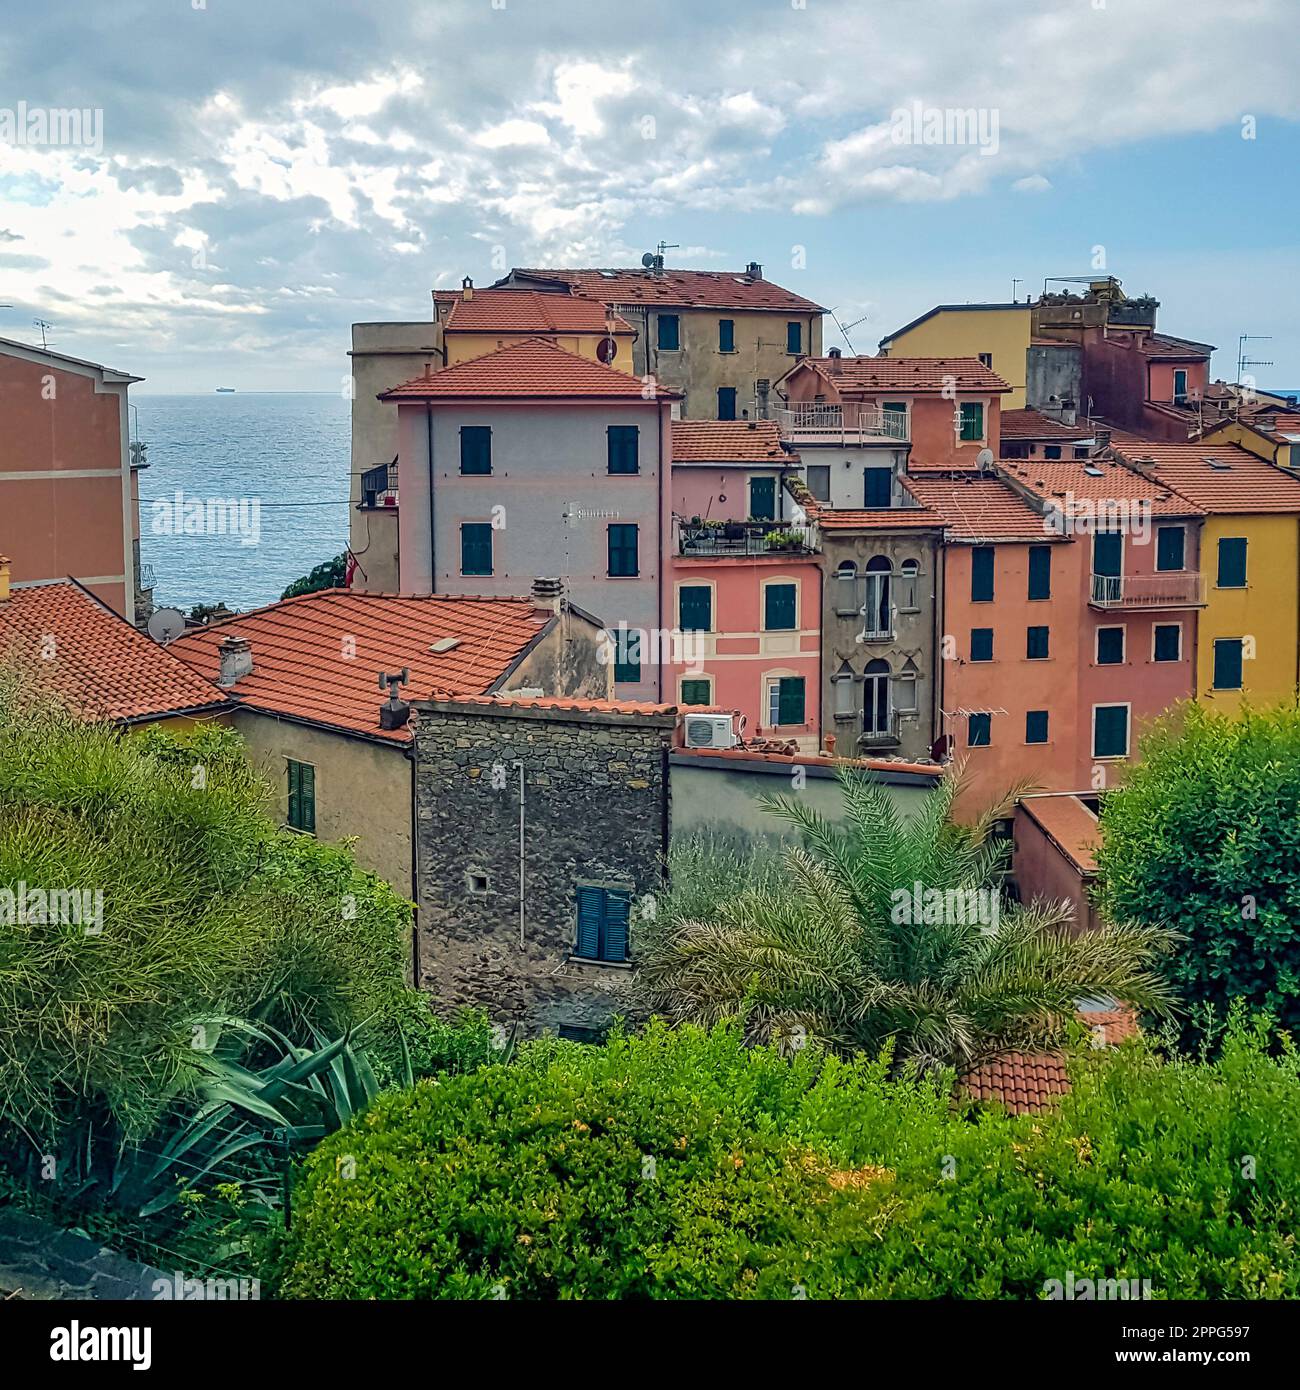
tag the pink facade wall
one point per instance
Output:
(1041, 870)
(720, 493)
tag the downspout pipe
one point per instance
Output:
(428, 431)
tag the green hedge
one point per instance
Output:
(680, 1164)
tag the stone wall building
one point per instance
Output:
(561, 806)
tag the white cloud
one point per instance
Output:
(1031, 183)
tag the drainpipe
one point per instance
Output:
(428, 431)
(664, 542)
(940, 576)
(413, 759)
(520, 766)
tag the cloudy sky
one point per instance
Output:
(272, 171)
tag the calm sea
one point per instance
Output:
(287, 453)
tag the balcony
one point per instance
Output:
(379, 486)
(1184, 589)
(743, 538)
(842, 424)
(886, 736)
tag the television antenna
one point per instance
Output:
(44, 325)
(1242, 360)
(844, 329)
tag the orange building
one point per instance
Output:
(68, 506)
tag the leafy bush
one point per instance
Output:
(1204, 837)
(329, 574)
(681, 1164)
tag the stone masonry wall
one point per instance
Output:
(595, 811)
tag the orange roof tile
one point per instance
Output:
(1107, 482)
(318, 657)
(1023, 1082)
(1033, 424)
(874, 374)
(528, 311)
(685, 289)
(729, 441)
(884, 519)
(534, 369)
(976, 507)
(1246, 485)
(93, 659)
(1070, 824)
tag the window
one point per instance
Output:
(698, 691)
(623, 561)
(1232, 562)
(1110, 646)
(603, 916)
(1036, 639)
(1180, 386)
(1168, 642)
(794, 338)
(476, 547)
(726, 335)
(879, 613)
(624, 445)
(1051, 451)
(1110, 731)
(1036, 726)
(877, 485)
(1040, 571)
(726, 402)
(302, 796)
(762, 499)
(819, 481)
(695, 608)
(981, 644)
(1169, 547)
(478, 883)
(475, 449)
(875, 711)
(1108, 554)
(1227, 663)
(785, 703)
(845, 703)
(987, 359)
(779, 608)
(847, 601)
(627, 656)
(894, 415)
(1081, 451)
(972, 421)
(979, 730)
(906, 591)
(981, 574)
(669, 333)
(905, 693)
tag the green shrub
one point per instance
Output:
(680, 1164)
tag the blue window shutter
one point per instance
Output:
(618, 907)
(1108, 554)
(695, 608)
(591, 902)
(623, 449)
(1232, 562)
(1227, 663)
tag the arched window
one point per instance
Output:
(906, 594)
(847, 601)
(877, 611)
(846, 694)
(875, 704)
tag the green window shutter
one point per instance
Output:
(1036, 643)
(623, 561)
(778, 608)
(1040, 571)
(475, 449)
(1036, 726)
(309, 797)
(1108, 554)
(972, 420)
(1232, 562)
(669, 333)
(979, 730)
(695, 608)
(302, 796)
(295, 793)
(981, 574)
(623, 449)
(794, 338)
(618, 911)
(696, 692)
(1110, 731)
(1169, 547)
(627, 656)
(1110, 646)
(1227, 663)
(591, 902)
(981, 644)
(476, 548)
(726, 402)
(762, 499)
(790, 703)
(726, 335)
(1168, 642)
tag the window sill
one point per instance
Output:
(604, 964)
(298, 830)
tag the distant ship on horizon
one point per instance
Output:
(225, 390)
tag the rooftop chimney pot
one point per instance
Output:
(235, 655)
(754, 270)
(467, 288)
(548, 595)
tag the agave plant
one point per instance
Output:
(836, 949)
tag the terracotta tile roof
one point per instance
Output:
(1165, 347)
(1051, 480)
(1071, 826)
(685, 289)
(1247, 485)
(859, 519)
(729, 441)
(1023, 1082)
(534, 369)
(528, 311)
(809, 759)
(101, 666)
(573, 704)
(318, 657)
(1033, 424)
(976, 507)
(875, 374)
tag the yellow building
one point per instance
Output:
(476, 322)
(1248, 633)
(1273, 438)
(998, 334)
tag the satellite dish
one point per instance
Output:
(648, 259)
(984, 459)
(165, 623)
(606, 350)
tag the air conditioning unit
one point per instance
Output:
(708, 731)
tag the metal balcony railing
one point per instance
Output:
(876, 735)
(841, 424)
(379, 486)
(1184, 589)
(743, 538)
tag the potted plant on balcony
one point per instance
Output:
(781, 540)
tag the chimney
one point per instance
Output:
(236, 655)
(548, 595)
(754, 270)
(4, 579)
(395, 713)
(1102, 436)
(467, 288)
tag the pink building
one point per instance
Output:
(745, 581)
